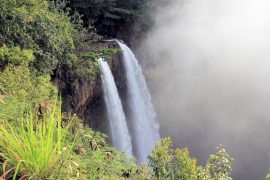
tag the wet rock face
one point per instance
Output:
(84, 96)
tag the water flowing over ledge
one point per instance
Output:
(119, 134)
(142, 117)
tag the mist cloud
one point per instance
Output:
(208, 67)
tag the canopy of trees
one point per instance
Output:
(108, 16)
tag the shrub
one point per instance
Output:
(185, 166)
(15, 56)
(219, 165)
(161, 159)
(18, 81)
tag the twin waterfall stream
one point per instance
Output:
(135, 133)
(117, 120)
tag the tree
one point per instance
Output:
(168, 163)
(161, 159)
(172, 164)
(108, 16)
(45, 28)
(185, 166)
(219, 165)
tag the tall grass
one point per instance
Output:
(33, 146)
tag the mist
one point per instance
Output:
(208, 67)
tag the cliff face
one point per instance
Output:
(84, 96)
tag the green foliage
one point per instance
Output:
(12, 108)
(30, 25)
(161, 159)
(42, 149)
(104, 53)
(109, 15)
(33, 147)
(46, 29)
(168, 163)
(172, 164)
(15, 56)
(93, 158)
(219, 165)
(19, 88)
(18, 81)
(88, 64)
(185, 166)
(203, 174)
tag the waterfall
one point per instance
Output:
(143, 125)
(119, 133)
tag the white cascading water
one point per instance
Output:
(143, 124)
(120, 137)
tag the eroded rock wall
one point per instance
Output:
(84, 96)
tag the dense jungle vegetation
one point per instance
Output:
(41, 41)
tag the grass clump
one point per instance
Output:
(33, 147)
